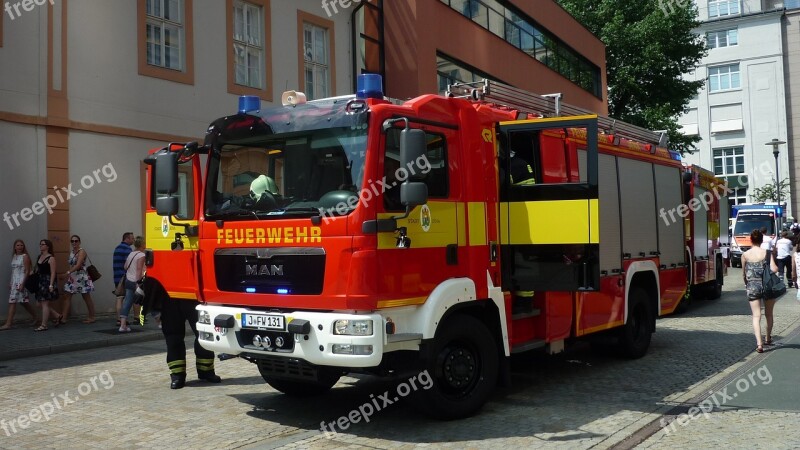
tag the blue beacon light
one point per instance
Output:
(249, 103)
(369, 85)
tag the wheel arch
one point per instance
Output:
(644, 275)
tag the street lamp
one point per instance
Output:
(775, 143)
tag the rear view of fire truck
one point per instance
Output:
(435, 236)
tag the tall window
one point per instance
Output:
(449, 72)
(165, 33)
(728, 161)
(719, 8)
(248, 44)
(722, 78)
(724, 38)
(737, 196)
(315, 56)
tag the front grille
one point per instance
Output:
(287, 271)
(287, 368)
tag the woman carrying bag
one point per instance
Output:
(134, 271)
(78, 280)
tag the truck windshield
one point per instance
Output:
(289, 161)
(746, 223)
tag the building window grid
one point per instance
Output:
(519, 32)
(723, 78)
(165, 33)
(248, 44)
(724, 38)
(729, 161)
(450, 72)
(737, 196)
(721, 8)
(315, 54)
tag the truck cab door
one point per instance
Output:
(171, 251)
(549, 233)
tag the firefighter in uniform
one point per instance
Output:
(174, 315)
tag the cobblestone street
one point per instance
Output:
(120, 398)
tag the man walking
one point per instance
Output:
(121, 253)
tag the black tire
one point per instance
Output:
(715, 290)
(304, 388)
(638, 330)
(464, 368)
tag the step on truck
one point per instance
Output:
(438, 235)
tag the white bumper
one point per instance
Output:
(315, 347)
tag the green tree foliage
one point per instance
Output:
(649, 46)
(766, 193)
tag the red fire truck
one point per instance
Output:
(439, 234)
(706, 220)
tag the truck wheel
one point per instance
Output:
(464, 368)
(715, 290)
(636, 333)
(303, 388)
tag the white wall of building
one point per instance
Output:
(754, 113)
(21, 183)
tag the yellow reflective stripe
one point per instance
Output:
(154, 233)
(401, 302)
(461, 214)
(713, 230)
(477, 223)
(604, 326)
(549, 119)
(184, 295)
(549, 222)
(443, 229)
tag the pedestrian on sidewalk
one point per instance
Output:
(134, 271)
(121, 253)
(48, 291)
(783, 257)
(754, 262)
(78, 280)
(20, 269)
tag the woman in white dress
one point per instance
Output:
(20, 269)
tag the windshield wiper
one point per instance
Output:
(296, 210)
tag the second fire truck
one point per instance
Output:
(441, 235)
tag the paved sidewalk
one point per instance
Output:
(22, 342)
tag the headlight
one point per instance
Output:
(348, 349)
(204, 317)
(353, 327)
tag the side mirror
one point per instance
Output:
(167, 206)
(413, 194)
(167, 173)
(412, 147)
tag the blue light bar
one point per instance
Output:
(675, 155)
(369, 85)
(282, 291)
(249, 103)
(250, 290)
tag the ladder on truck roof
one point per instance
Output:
(550, 105)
